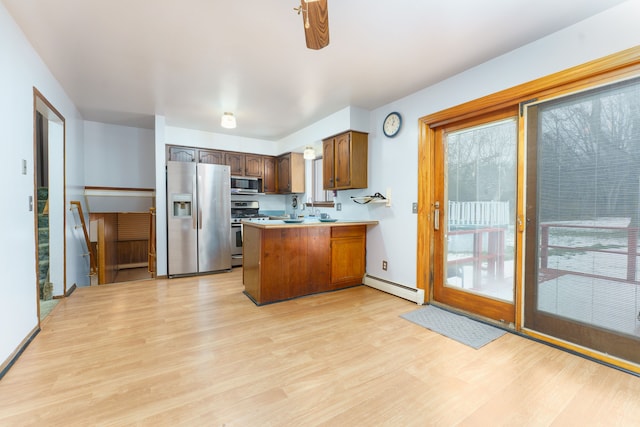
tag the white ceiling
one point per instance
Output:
(123, 61)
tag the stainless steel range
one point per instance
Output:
(242, 210)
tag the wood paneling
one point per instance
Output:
(132, 253)
(133, 226)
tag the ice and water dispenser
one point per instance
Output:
(181, 204)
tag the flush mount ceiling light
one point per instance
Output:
(309, 153)
(228, 121)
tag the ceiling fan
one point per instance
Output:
(315, 17)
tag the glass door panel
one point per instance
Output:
(476, 214)
(583, 210)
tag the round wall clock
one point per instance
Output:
(392, 124)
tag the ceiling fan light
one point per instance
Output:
(309, 153)
(228, 121)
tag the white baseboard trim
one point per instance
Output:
(411, 294)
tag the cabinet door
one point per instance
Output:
(347, 260)
(181, 154)
(236, 162)
(269, 175)
(212, 157)
(342, 160)
(284, 174)
(327, 164)
(253, 165)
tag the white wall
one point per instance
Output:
(21, 70)
(161, 196)
(118, 156)
(349, 118)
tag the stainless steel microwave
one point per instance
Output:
(245, 185)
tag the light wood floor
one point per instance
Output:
(196, 351)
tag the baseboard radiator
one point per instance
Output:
(411, 294)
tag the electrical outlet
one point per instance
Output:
(384, 265)
(338, 206)
(414, 207)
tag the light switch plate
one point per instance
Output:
(414, 208)
(24, 167)
(338, 206)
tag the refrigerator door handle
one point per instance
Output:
(196, 178)
(199, 191)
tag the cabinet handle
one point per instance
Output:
(436, 217)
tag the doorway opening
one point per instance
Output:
(49, 201)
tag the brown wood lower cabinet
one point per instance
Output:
(348, 254)
(288, 262)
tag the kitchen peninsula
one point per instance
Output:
(283, 261)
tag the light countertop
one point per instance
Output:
(308, 222)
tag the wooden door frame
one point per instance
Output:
(626, 62)
(41, 104)
(490, 308)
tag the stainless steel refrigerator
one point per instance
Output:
(198, 218)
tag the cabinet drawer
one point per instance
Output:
(348, 231)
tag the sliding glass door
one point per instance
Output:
(583, 213)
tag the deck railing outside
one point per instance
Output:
(631, 251)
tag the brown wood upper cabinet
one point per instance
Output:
(235, 162)
(242, 164)
(269, 174)
(211, 156)
(253, 165)
(344, 159)
(290, 173)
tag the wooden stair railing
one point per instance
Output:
(93, 266)
(152, 242)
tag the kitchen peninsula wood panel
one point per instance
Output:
(285, 262)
